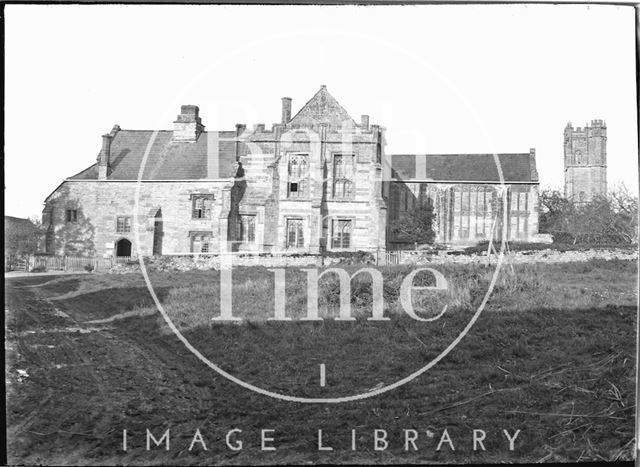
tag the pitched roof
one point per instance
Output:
(322, 108)
(465, 167)
(212, 156)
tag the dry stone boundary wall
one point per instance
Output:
(206, 262)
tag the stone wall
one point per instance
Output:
(520, 257)
(207, 262)
(98, 204)
(417, 258)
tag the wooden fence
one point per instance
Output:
(15, 262)
(392, 258)
(41, 263)
(395, 257)
(35, 263)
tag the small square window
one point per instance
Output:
(201, 206)
(200, 242)
(123, 224)
(72, 215)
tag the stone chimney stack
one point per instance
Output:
(532, 164)
(188, 126)
(105, 154)
(364, 122)
(240, 129)
(286, 110)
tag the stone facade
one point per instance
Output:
(585, 161)
(468, 194)
(163, 210)
(315, 182)
(469, 213)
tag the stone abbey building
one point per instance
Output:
(585, 161)
(317, 181)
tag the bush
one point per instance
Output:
(39, 269)
(88, 267)
(416, 226)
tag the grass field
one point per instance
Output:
(553, 355)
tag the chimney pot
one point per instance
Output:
(188, 124)
(286, 110)
(189, 111)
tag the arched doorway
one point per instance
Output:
(123, 247)
(157, 233)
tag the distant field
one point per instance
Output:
(553, 355)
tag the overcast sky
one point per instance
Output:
(441, 79)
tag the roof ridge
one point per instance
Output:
(171, 131)
(467, 154)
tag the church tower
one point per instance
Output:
(585, 161)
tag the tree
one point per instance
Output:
(626, 207)
(605, 219)
(555, 213)
(416, 226)
(21, 236)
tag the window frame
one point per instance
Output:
(251, 229)
(206, 198)
(300, 234)
(198, 233)
(71, 215)
(300, 177)
(126, 224)
(351, 223)
(341, 179)
(519, 205)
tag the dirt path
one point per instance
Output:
(14, 274)
(70, 384)
(72, 387)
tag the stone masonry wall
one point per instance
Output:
(265, 158)
(585, 161)
(99, 203)
(417, 258)
(448, 219)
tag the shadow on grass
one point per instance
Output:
(108, 302)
